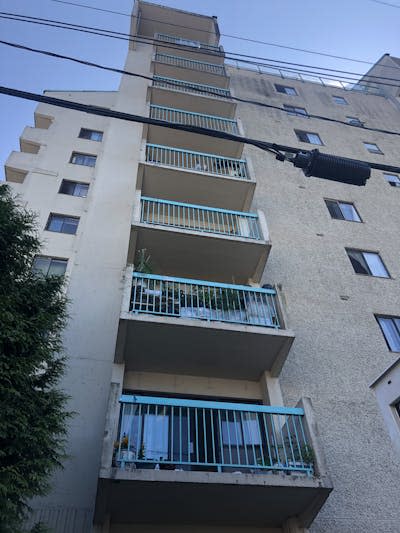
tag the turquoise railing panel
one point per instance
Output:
(171, 433)
(186, 42)
(203, 300)
(180, 116)
(199, 218)
(184, 62)
(190, 87)
(199, 161)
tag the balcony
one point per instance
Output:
(227, 459)
(194, 141)
(181, 238)
(190, 48)
(173, 66)
(187, 326)
(18, 164)
(149, 19)
(32, 139)
(172, 92)
(207, 179)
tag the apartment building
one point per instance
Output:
(233, 324)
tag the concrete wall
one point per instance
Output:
(97, 257)
(339, 347)
(387, 390)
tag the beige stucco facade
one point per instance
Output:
(322, 358)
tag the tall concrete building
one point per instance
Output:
(233, 323)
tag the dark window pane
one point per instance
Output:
(41, 265)
(83, 159)
(339, 100)
(67, 187)
(57, 267)
(49, 266)
(334, 209)
(285, 90)
(70, 225)
(81, 189)
(358, 262)
(92, 135)
(55, 223)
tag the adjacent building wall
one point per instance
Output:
(339, 347)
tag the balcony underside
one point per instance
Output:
(194, 102)
(198, 347)
(208, 256)
(180, 185)
(193, 141)
(190, 74)
(207, 498)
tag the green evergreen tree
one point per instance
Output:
(32, 409)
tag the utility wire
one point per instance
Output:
(106, 112)
(150, 78)
(222, 34)
(376, 2)
(122, 36)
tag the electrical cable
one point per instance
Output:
(375, 1)
(150, 78)
(223, 34)
(106, 112)
(348, 78)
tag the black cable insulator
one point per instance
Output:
(332, 167)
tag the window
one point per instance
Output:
(308, 137)
(396, 406)
(354, 121)
(390, 326)
(92, 135)
(62, 224)
(373, 148)
(339, 100)
(286, 90)
(83, 159)
(368, 263)
(298, 111)
(393, 180)
(49, 266)
(74, 188)
(342, 210)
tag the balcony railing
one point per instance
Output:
(199, 161)
(190, 87)
(177, 61)
(180, 434)
(180, 116)
(186, 42)
(203, 300)
(199, 218)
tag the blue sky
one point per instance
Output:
(360, 29)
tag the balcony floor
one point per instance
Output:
(201, 255)
(193, 141)
(191, 101)
(190, 74)
(184, 497)
(197, 347)
(179, 185)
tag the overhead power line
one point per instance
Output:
(150, 78)
(85, 6)
(346, 77)
(313, 162)
(375, 1)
